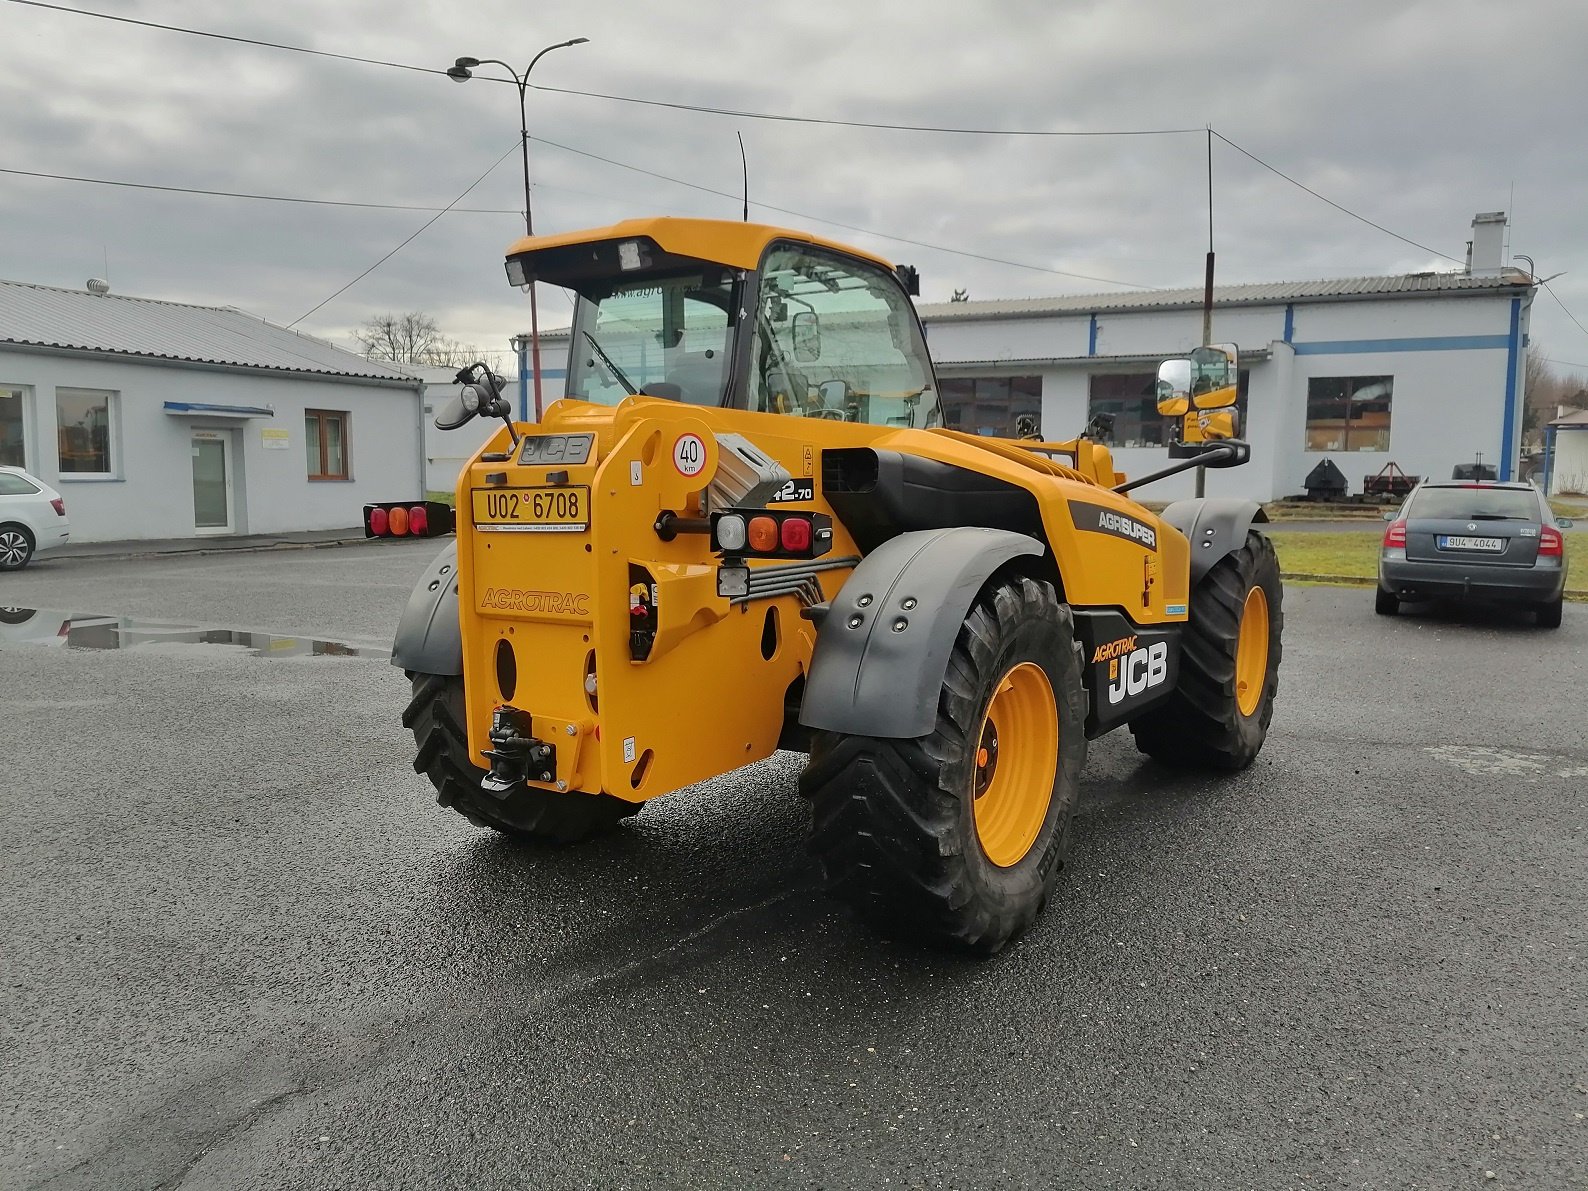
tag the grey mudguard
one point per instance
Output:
(1215, 526)
(884, 646)
(429, 636)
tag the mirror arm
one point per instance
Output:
(1220, 452)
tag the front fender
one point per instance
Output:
(429, 635)
(1215, 526)
(871, 677)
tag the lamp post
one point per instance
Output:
(461, 72)
(520, 346)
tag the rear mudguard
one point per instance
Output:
(1215, 526)
(429, 637)
(884, 644)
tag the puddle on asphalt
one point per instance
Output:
(83, 630)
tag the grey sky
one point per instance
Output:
(1413, 115)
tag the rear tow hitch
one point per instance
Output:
(518, 756)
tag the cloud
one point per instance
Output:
(1410, 115)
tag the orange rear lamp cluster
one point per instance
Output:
(408, 519)
(763, 533)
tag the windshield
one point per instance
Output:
(666, 337)
(837, 338)
(1475, 504)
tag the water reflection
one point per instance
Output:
(85, 630)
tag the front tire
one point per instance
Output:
(1218, 715)
(436, 716)
(958, 836)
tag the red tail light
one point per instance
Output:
(795, 535)
(408, 519)
(59, 506)
(1395, 535)
(1550, 543)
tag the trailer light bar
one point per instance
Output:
(408, 519)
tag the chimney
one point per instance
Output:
(1486, 250)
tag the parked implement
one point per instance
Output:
(747, 528)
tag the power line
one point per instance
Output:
(269, 45)
(1562, 305)
(833, 222)
(1565, 363)
(785, 118)
(1331, 202)
(267, 198)
(406, 242)
(687, 107)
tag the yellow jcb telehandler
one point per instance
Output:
(746, 528)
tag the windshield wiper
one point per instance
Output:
(615, 370)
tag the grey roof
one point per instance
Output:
(1260, 294)
(43, 316)
(1572, 420)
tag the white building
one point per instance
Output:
(1423, 370)
(1566, 453)
(160, 420)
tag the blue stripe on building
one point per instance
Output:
(1513, 355)
(1430, 343)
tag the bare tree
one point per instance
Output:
(413, 338)
(960, 295)
(1543, 389)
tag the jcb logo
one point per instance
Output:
(1137, 671)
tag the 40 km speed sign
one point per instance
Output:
(689, 454)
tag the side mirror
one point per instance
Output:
(1564, 522)
(1390, 516)
(1213, 376)
(807, 336)
(460, 408)
(1174, 388)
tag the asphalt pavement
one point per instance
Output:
(244, 949)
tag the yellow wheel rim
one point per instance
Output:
(1017, 753)
(1251, 652)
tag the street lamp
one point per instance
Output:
(461, 72)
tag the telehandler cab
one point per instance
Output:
(745, 528)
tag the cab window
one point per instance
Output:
(837, 338)
(663, 336)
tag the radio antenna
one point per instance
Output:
(744, 165)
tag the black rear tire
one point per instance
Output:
(1548, 615)
(894, 821)
(436, 717)
(1202, 725)
(1386, 603)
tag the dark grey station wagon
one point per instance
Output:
(1474, 541)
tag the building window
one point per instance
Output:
(1349, 413)
(12, 440)
(1131, 399)
(84, 422)
(1001, 406)
(325, 433)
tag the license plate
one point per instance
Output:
(1451, 542)
(563, 509)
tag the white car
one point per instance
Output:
(32, 518)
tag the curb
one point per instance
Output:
(189, 552)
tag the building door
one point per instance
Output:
(212, 482)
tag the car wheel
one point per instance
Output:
(1549, 614)
(1386, 603)
(16, 547)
